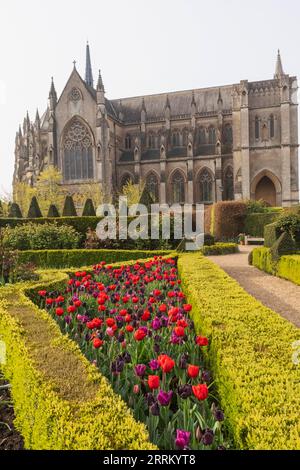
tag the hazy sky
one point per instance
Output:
(141, 46)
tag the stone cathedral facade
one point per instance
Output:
(230, 142)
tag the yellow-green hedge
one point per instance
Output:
(219, 249)
(287, 267)
(61, 401)
(251, 357)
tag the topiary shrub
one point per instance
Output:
(209, 239)
(285, 245)
(89, 209)
(53, 211)
(15, 211)
(34, 210)
(69, 207)
(250, 258)
(146, 199)
(290, 223)
(271, 234)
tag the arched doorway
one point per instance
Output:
(265, 190)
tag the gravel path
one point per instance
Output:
(280, 295)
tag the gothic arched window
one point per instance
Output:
(78, 152)
(272, 126)
(211, 135)
(205, 186)
(152, 186)
(151, 141)
(176, 139)
(228, 184)
(178, 193)
(128, 142)
(201, 136)
(257, 127)
(228, 134)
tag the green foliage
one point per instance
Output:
(283, 246)
(78, 258)
(254, 207)
(41, 236)
(89, 210)
(53, 211)
(271, 234)
(219, 249)
(262, 259)
(290, 223)
(209, 239)
(146, 199)
(256, 222)
(250, 356)
(15, 211)
(289, 268)
(1, 209)
(34, 210)
(69, 208)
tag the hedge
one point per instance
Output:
(219, 249)
(60, 400)
(255, 223)
(271, 233)
(78, 258)
(288, 266)
(250, 354)
(228, 219)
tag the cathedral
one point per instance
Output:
(205, 145)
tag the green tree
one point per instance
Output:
(53, 211)
(15, 211)
(69, 208)
(34, 210)
(88, 209)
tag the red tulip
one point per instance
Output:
(129, 328)
(146, 315)
(187, 307)
(179, 331)
(202, 341)
(42, 293)
(59, 311)
(97, 343)
(153, 382)
(139, 334)
(166, 363)
(71, 309)
(110, 322)
(193, 371)
(200, 391)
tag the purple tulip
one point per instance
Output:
(140, 370)
(153, 364)
(208, 437)
(156, 324)
(182, 439)
(164, 398)
(68, 319)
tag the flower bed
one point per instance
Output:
(133, 323)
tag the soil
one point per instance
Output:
(10, 438)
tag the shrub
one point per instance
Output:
(34, 210)
(69, 208)
(53, 211)
(250, 355)
(229, 219)
(290, 223)
(209, 239)
(219, 249)
(89, 210)
(284, 245)
(256, 222)
(256, 206)
(271, 234)
(289, 268)
(262, 259)
(41, 236)
(15, 211)
(77, 258)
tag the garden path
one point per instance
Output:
(278, 294)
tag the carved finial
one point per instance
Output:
(279, 69)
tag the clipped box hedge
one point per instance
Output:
(256, 222)
(287, 267)
(250, 354)
(77, 258)
(219, 249)
(61, 401)
(271, 234)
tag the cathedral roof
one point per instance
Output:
(206, 100)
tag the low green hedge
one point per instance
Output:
(255, 223)
(271, 234)
(61, 401)
(77, 258)
(251, 357)
(219, 249)
(287, 267)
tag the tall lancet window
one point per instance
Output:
(205, 186)
(272, 126)
(256, 125)
(152, 186)
(78, 152)
(178, 195)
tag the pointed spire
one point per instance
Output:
(279, 69)
(27, 121)
(52, 93)
(20, 131)
(143, 105)
(220, 101)
(88, 68)
(100, 86)
(37, 116)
